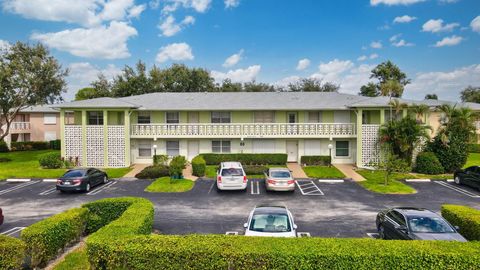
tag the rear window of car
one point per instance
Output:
(270, 223)
(280, 174)
(232, 172)
(73, 174)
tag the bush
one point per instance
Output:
(153, 172)
(26, 146)
(428, 163)
(45, 238)
(467, 218)
(238, 252)
(254, 169)
(177, 165)
(5, 159)
(160, 160)
(473, 148)
(199, 166)
(316, 160)
(246, 159)
(3, 147)
(51, 161)
(12, 252)
(55, 144)
(102, 212)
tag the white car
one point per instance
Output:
(231, 176)
(270, 221)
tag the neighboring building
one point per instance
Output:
(37, 123)
(116, 132)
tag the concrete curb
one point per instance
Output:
(418, 180)
(19, 180)
(331, 180)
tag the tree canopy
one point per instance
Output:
(312, 85)
(431, 96)
(391, 81)
(470, 94)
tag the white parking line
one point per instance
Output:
(48, 191)
(308, 187)
(19, 186)
(12, 231)
(417, 180)
(19, 180)
(331, 181)
(373, 235)
(254, 184)
(457, 189)
(49, 180)
(98, 190)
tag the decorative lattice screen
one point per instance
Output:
(73, 143)
(95, 146)
(370, 146)
(116, 146)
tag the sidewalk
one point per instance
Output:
(136, 169)
(348, 170)
(187, 173)
(297, 170)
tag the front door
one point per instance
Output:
(292, 151)
(193, 149)
(192, 117)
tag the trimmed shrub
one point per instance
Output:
(239, 252)
(12, 252)
(316, 160)
(51, 161)
(428, 163)
(3, 147)
(466, 218)
(177, 165)
(153, 172)
(199, 166)
(45, 238)
(246, 159)
(26, 146)
(160, 160)
(254, 169)
(55, 144)
(102, 212)
(473, 148)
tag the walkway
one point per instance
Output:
(187, 173)
(297, 170)
(349, 171)
(136, 169)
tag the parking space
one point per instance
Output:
(308, 188)
(464, 190)
(444, 187)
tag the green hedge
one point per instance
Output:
(55, 144)
(25, 146)
(246, 159)
(199, 166)
(467, 218)
(102, 212)
(103, 246)
(51, 161)
(428, 163)
(316, 160)
(3, 147)
(254, 169)
(12, 252)
(238, 252)
(473, 148)
(45, 238)
(153, 172)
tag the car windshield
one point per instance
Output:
(76, 173)
(232, 172)
(280, 174)
(271, 223)
(429, 225)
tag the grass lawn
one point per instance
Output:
(323, 172)
(164, 184)
(375, 182)
(473, 159)
(76, 260)
(24, 164)
(431, 176)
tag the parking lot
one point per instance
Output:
(327, 208)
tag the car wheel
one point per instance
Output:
(457, 180)
(87, 187)
(63, 191)
(381, 232)
(105, 179)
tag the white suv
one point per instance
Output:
(231, 176)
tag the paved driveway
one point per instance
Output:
(327, 209)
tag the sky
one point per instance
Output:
(435, 42)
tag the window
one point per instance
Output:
(272, 223)
(144, 149)
(221, 117)
(143, 118)
(221, 146)
(314, 117)
(50, 136)
(429, 225)
(342, 149)
(341, 116)
(264, 117)
(69, 118)
(49, 118)
(95, 118)
(173, 148)
(263, 146)
(173, 118)
(397, 218)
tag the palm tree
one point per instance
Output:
(420, 111)
(391, 88)
(397, 106)
(451, 115)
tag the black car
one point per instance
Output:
(469, 177)
(81, 179)
(1, 216)
(415, 224)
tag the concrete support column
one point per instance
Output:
(127, 137)
(359, 137)
(382, 116)
(62, 133)
(105, 138)
(84, 138)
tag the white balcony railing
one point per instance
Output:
(253, 130)
(19, 126)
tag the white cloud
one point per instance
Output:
(154, 4)
(238, 75)
(116, 9)
(436, 26)
(175, 52)
(366, 57)
(395, 37)
(231, 3)
(332, 70)
(446, 84)
(170, 27)
(303, 64)
(402, 43)
(449, 41)
(233, 59)
(362, 58)
(108, 42)
(475, 24)
(404, 19)
(198, 5)
(287, 80)
(373, 56)
(135, 11)
(447, 1)
(376, 44)
(394, 2)
(4, 44)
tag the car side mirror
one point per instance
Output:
(402, 228)
(245, 225)
(295, 226)
(457, 228)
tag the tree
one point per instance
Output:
(431, 96)
(258, 87)
(397, 107)
(229, 86)
(390, 164)
(369, 90)
(102, 86)
(180, 78)
(391, 80)
(391, 88)
(29, 76)
(89, 93)
(312, 85)
(420, 111)
(131, 81)
(470, 94)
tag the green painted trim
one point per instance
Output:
(62, 133)
(84, 138)
(127, 138)
(382, 116)
(105, 138)
(359, 137)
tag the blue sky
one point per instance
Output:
(436, 42)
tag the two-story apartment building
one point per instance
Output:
(116, 132)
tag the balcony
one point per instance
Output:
(19, 127)
(234, 130)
